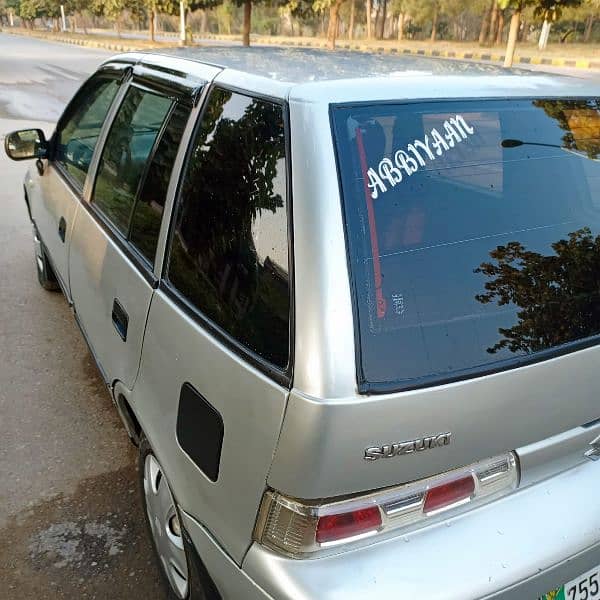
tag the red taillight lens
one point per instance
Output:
(449, 494)
(331, 528)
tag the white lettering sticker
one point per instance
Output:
(399, 305)
(389, 173)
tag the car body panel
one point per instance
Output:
(176, 351)
(101, 273)
(51, 200)
(322, 437)
(521, 546)
(324, 364)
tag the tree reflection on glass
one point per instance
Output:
(235, 179)
(559, 295)
(580, 120)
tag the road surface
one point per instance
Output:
(70, 519)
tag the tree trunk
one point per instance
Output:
(589, 26)
(493, 23)
(203, 21)
(513, 32)
(383, 17)
(247, 22)
(522, 34)
(182, 39)
(544, 34)
(485, 24)
(351, 25)
(500, 28)
(369, 9)
(400, 27)
(151, 24)
(334, 13)
(434, 23)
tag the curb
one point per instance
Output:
(489, 56)
(131, 47)
(117, 47)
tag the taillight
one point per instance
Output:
(300, 529)
(448, 495)
(361, 522)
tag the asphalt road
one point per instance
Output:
(70, 519)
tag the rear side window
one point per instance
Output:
(229, 247)
(150, 203)
(125, 155)
(473, 231)
(78, 131)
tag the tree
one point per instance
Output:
(333, 6)
(399, 7)
(493, 23)
(549, 11)
(247, 19)
(76, 7)
(515, 22)
(517, 6)
(591, 7)
(112, 10)
(485, 23)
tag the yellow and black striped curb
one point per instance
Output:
(116, 47)
(121, 46)
(488, 56)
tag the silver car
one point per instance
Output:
(348, 307)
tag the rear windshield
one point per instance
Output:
(473, 231)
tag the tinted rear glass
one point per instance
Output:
(473, 230)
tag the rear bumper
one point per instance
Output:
(518, 547)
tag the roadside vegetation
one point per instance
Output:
(482, 23)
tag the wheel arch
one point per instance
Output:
(128, 416)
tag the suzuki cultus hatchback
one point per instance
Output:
(348, 307)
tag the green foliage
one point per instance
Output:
(552, 9)
(31, 9)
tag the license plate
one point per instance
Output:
(584, 587)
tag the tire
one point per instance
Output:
(45, 274)
(199, 585)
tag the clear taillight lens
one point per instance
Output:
(300, 529)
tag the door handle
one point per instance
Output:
(62, 229)
(120, 319)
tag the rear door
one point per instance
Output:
(114, 243)
(55, 195)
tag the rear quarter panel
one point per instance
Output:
(177, 351)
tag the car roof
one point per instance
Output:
(313, 75)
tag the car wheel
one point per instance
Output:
(180, 570)
(45, 274)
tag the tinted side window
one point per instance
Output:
(229, 249)
(77, 135)
(125, 154)
(150, 203)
